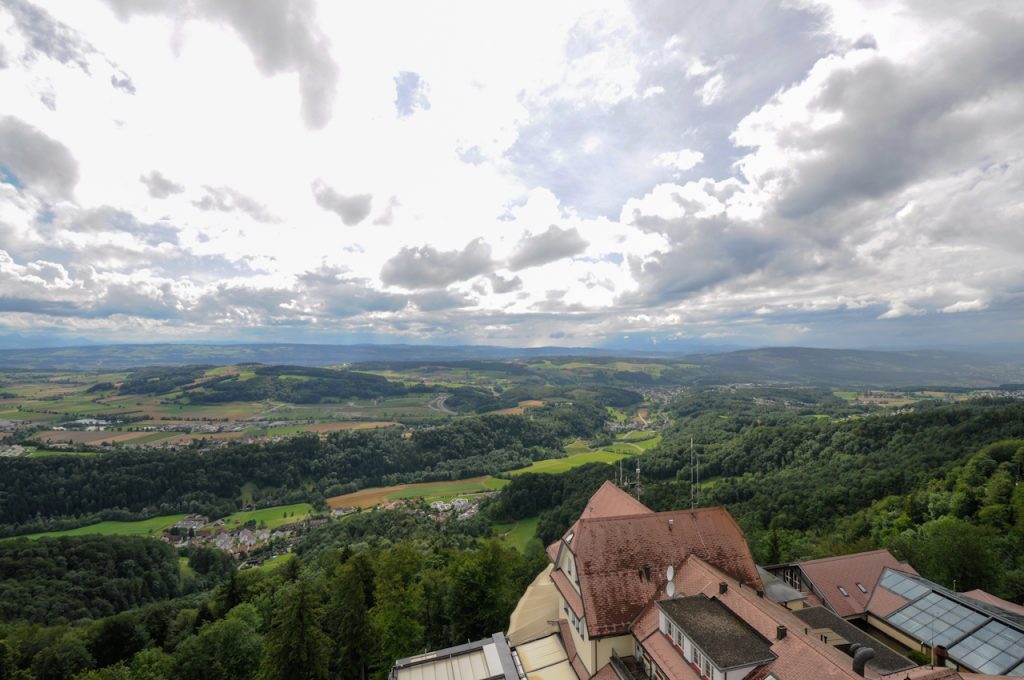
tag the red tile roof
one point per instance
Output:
(884, 602)
(799, 656)
(611, 501)
(846, 571)
(622, 561)
(989, 598)
(570, 650)
(568, 592)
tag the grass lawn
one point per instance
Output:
(557, 465)
(445, 490)
(637, 436)
(517, 534)
(368, 498)
(274, 517)
(47, 453)
(277, 562)
(184, 569)
(147, 527)
(845, 394)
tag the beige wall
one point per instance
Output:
(622, 644)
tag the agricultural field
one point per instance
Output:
(147, 527)
(272, 517)
(430, 491)
(558, 465)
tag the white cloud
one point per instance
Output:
(857, 161)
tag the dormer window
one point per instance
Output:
(861, 588)
(843, 591)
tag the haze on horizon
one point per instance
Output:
(611, 173)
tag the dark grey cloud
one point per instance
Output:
(904, 122)
(282, 35)
(351, 209)
(39, 162)
(159, 186)
(335, 292)
(501, 285)
(549, 246)
(410, 93)
(427, 267)
(226, 199)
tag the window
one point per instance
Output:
(861, 588)
(702, 663)
(843, 591)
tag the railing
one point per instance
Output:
(627, 667)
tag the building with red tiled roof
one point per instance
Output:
(845, 583)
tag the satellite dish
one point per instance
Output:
(670, 572)
(670, 589)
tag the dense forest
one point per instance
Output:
(38, 494)
(807, 474)
(923, 484)
(366, 591)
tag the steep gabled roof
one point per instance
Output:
(829, 574)
(622, 561)
(611, 501)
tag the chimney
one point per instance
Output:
(722, 587)
(861, 656)
(780, 632)
(760, 593)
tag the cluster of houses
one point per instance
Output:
(248, 544)
(631, 594)
(12, 451)
(461, 508)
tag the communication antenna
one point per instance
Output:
(638, 480)
(621, 479)
(693, 502)
(696, 457)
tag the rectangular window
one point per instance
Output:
(860, 586)
(702, 663)
(843, 591)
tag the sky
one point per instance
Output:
(654, 174)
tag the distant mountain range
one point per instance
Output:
(773, 365)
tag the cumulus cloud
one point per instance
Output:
(282, 35)
(427, 267)
(862, 125)
(226, 199)
(159, 186)
(680, 160)
(38, 162)
(549, 246)
(351, 209)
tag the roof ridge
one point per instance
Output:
(847, 555)
(654, 515)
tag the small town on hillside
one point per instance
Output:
(632, 594)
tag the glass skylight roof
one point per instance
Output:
(936, 619)
(902, 585)
(1018, 671)
(992, 649)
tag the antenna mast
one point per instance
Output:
(638, 480)
(693, 502)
